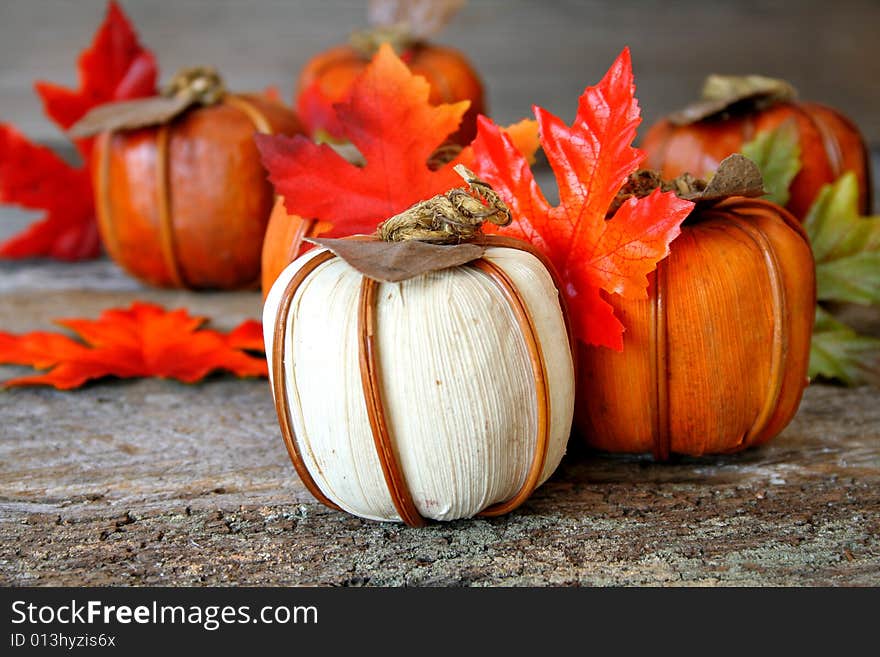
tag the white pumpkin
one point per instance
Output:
(441, 397)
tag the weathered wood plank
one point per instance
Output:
(155, 482)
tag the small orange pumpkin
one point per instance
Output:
(697, 138)
(328, 76)
(284, 242)
(715, 360)
(186, 203)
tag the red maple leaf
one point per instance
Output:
(34, 177)
(591, 159)
(388, 118)
(142, 341)
(317, 111)
(114, 67)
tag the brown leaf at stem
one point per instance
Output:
(130, 114)
(736, 175)
(729, 93)
(391, 262)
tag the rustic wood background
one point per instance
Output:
(154, 482)
(527, 51)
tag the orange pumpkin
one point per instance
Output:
(284, 242)
(186, 203)
(327, 78)
(830, 144)
(715, 360)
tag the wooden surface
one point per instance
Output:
(155, 482)
(527, 51)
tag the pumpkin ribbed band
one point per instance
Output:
(103, 207)
(371, 380)
(167, 234)
(260, 121)
(779, 344)
(830, 143)
(660, 363)
(279, 378)
(542, 386)
(302, 231)
(163, 198)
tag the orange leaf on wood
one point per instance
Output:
(142, 341)
(591, 159)
(388, 118)
(115, 67)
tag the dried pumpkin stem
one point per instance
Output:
(449, 218)
(403, 23)
(644, 181)
(444, 154)
(367, 42)
(202, 84)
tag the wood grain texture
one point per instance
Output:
(526, 52)
(155, 482)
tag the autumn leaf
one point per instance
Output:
(388, 118)
(144, 340)
(33, 177)
(317, 111)
(838, 352)
(591, 159)
(115, 67)
(777, 153)
(846, 247)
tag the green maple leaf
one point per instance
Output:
(777, 153)
(838, 352)
(846, 246)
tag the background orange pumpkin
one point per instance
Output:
(328, 76)
(186, 204)
(283, 243)
(715, 360)
(830, 146)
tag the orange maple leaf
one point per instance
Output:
(142, 341)
(388, 118)
(591, 159)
